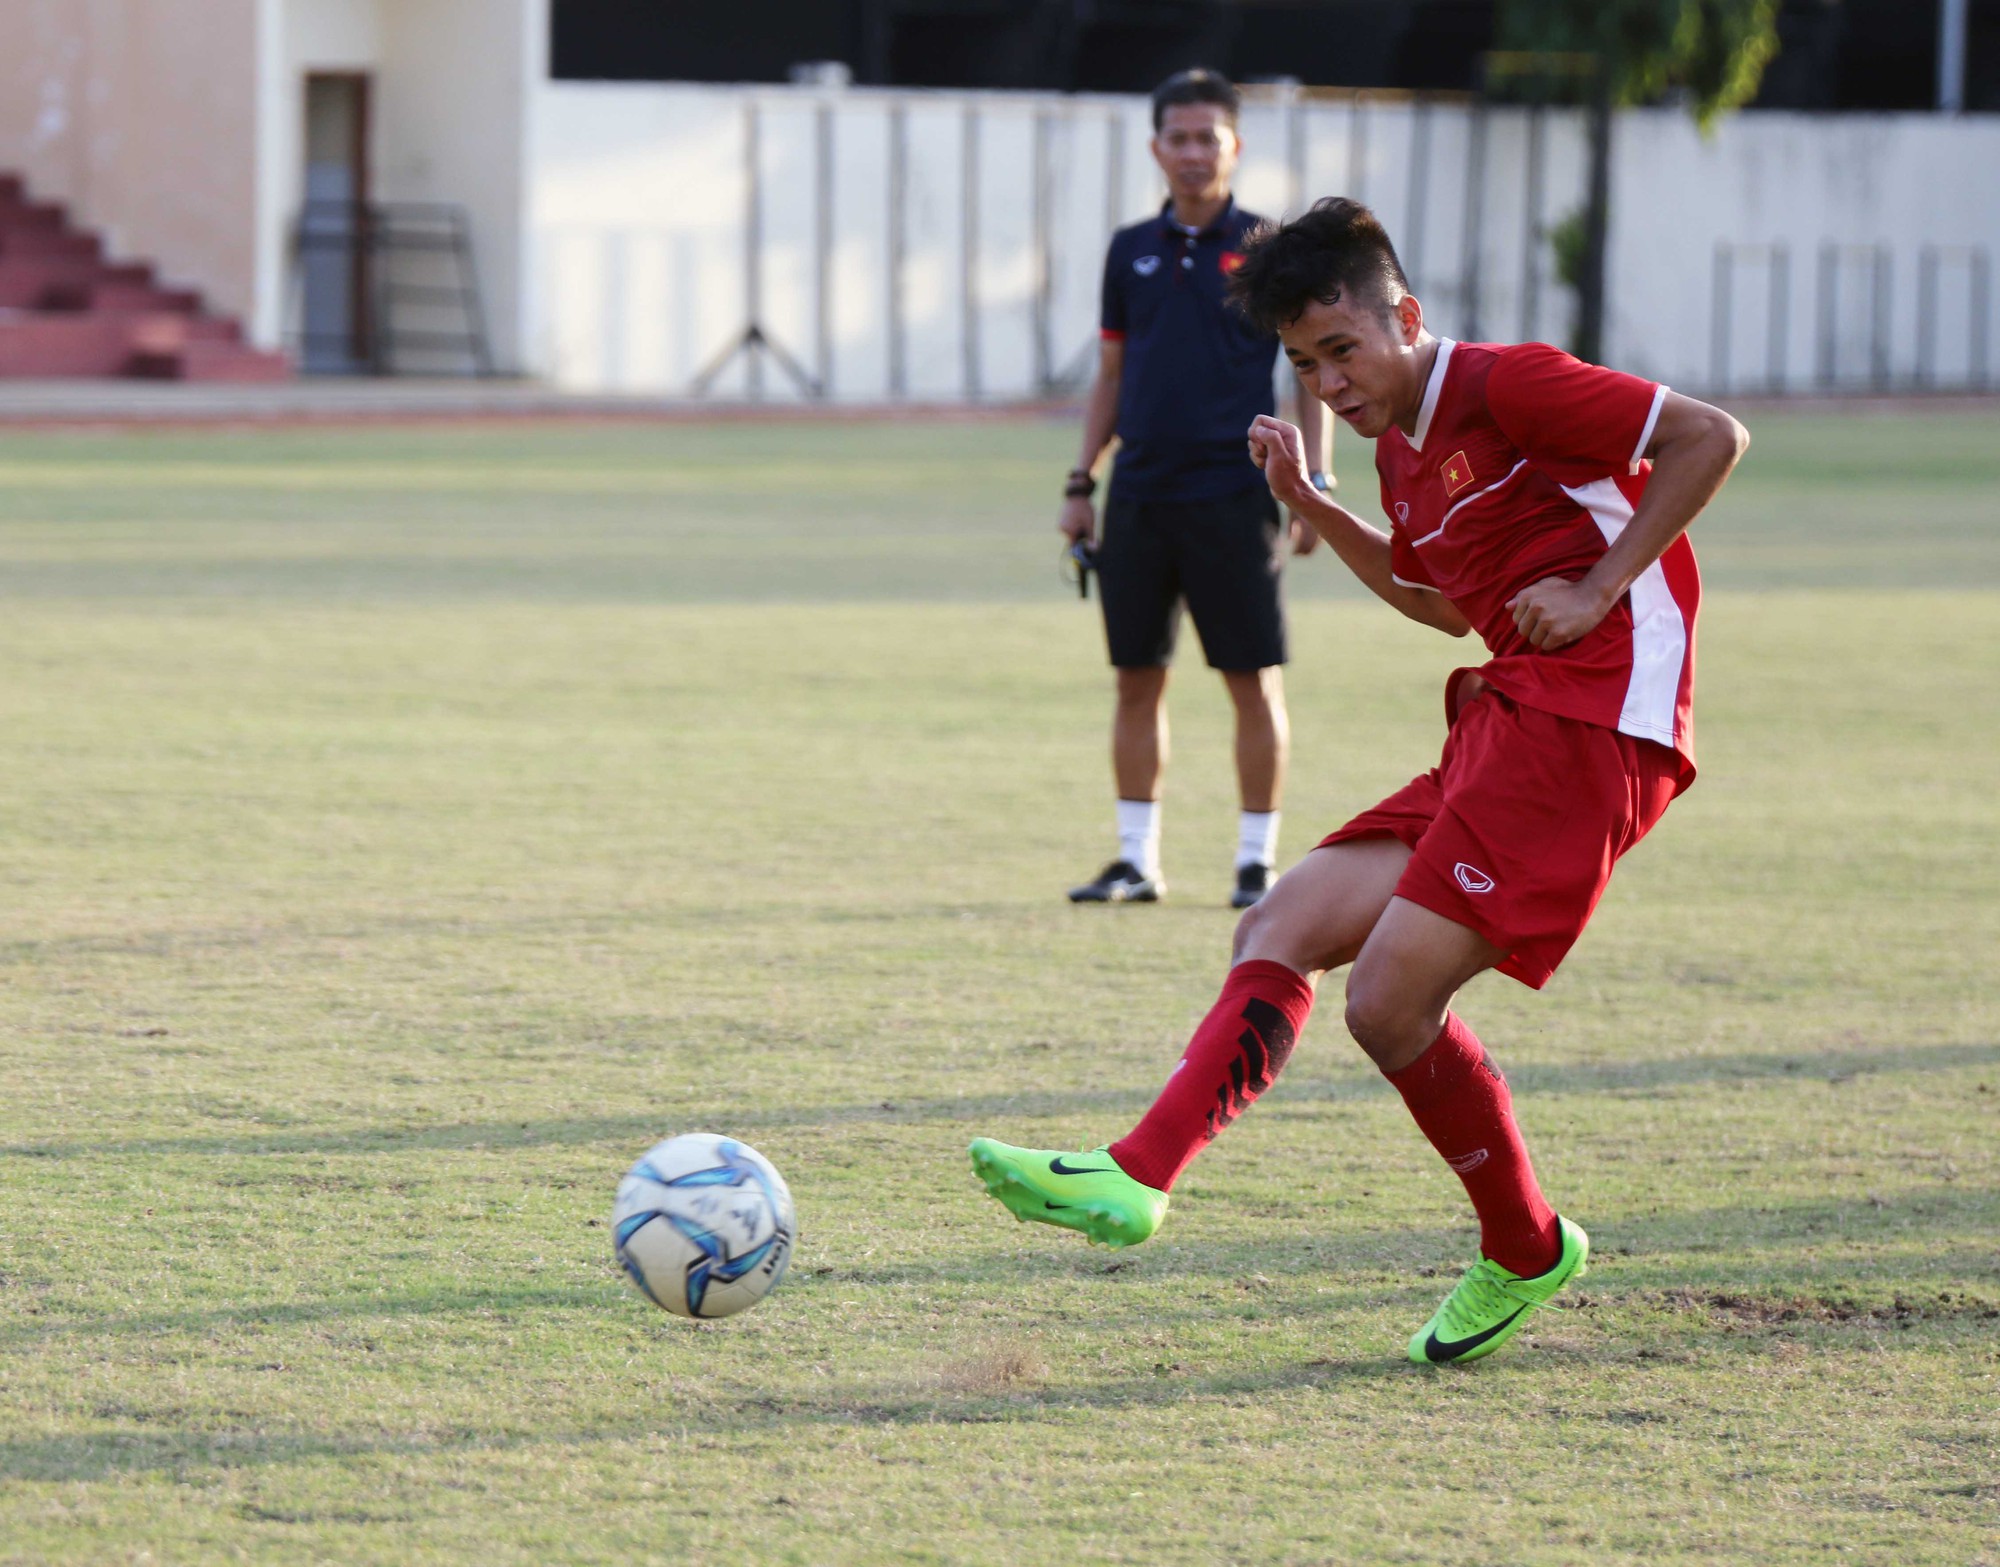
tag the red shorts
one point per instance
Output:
(1515, 832)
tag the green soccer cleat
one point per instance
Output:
(1489, 1305)
(1085, 1192)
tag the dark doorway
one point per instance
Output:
(333, 267)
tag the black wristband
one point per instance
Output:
(1079, 485)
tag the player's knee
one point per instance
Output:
(1249, 930)
(1274, 930)
(1140, 690)
(1377, 1017)
(1259, 693)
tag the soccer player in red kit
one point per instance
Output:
(1542, 503)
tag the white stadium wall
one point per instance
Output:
(1880, 189)
(459, 83)
(1786, 251)
(639, 225)
(637, 233)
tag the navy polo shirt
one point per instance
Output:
(1195, 373)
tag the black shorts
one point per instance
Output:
(1224, 558)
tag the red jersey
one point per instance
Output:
(1525, 464)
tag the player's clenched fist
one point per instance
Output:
(1280, 451)
(1555, 612)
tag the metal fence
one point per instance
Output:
(998, 212)
(1857, 315)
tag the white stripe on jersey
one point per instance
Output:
(1469, 500)
(1433, 390)
(1659, 633)
(1645, 435)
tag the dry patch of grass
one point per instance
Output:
(1731, 1306)
(1001, 1366)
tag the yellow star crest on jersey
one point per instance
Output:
(1457, 473)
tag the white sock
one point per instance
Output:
(1139, 835)
(1257, 838)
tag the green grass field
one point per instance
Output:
(401, 829)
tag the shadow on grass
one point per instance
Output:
(128, 1451)
(1390, 1265)
(709, 917)
(1373, 1260)
(1611, 1077)
(1683, 1327)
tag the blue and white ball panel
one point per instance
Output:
(703, 1225)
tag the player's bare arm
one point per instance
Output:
(1280, 450)
(1078, 521)
(1312, 422)
(1693, 449)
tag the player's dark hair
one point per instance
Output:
(1197, 86)
(1336, 250)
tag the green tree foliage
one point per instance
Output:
(1714, 49)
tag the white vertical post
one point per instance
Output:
(969, 245)
(898, 245)
(823, 245)
(1952, 21)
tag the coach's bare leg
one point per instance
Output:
(1139, 733)
(1404, 977)
(1320, 912)
(1263, 734)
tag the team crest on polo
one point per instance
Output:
(1145, 266)
(1457, 473)
(1231, 260)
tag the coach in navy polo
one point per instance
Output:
(1189, 519)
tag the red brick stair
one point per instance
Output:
(67, 311)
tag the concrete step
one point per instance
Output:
(42, 343)
(211, 359)
(21, 213)
(50, 242)
(65, 282)
(65, 311)
(131, 298)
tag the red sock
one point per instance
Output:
(1461, 1101)
(1237, 1053)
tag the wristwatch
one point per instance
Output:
(1325, 483)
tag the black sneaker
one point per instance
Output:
(1252, 882)
(1119, 882)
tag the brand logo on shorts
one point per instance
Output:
(1466, 1163)
(1146, 266)
(1402, 511)
(1472, 878)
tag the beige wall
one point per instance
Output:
(177, 128)
(458, 84)
(145, 119)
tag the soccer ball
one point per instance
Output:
(703, 1225)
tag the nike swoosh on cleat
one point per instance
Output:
(1058, 1167)
(1437, 1350)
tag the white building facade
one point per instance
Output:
(943, 246)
